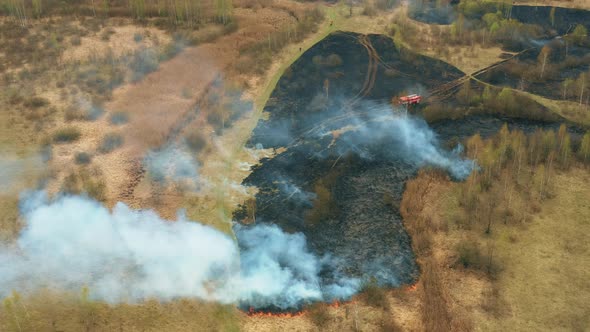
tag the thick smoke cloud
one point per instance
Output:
(278, 270)
(128, 255)
(402, 137)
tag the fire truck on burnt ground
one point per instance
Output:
(407, 101)
(410, 99)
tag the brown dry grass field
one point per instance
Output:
(545, 258)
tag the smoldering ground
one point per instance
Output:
(348, 154)
(71, 242)
(336, 182)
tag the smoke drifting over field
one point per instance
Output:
(129, 255)
(399, 137)
(174, 163)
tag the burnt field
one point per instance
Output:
(559, 78)
(357, 181)
(561, 22)
(348, 153)
(515, 28)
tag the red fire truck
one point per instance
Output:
(410, 99)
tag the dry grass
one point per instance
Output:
(48, 311)
(569, 110)
(545, 286)
(122, 41)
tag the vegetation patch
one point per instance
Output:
(119, 118)
(110, 142)
(82, 158)
(66, 135)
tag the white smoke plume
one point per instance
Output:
(403, 137)
(173, 164)
(266, 251)
(126, 255)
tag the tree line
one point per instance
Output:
(526, 162)
(177, 12)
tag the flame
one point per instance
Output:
(413, 287)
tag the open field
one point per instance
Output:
(113, 93)
(547, 259)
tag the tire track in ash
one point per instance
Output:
(374, 60)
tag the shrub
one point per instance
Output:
(83, 158)
(96, 189)
(196, 142)
(86, 181)
(36, 102)
(66, 134)
(469, 255)
(144, 62)
(375, 296)
(106, 35)
(319, 315)
(76, 41)
(83, 113)
(369, 10)
(110, 142)
(230, 27)
(137, 37)
(390, 325)
(119, 118)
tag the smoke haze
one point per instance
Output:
(128, 255)
(406, 138)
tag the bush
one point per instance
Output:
(230, 27)
(369, 10)
(110, 142)
(375, 296)
(106, 35)
(86, 181)
(144, 62)
(36, 102)
(82, 113)
(390, 325)
(66, 134)
(76, 41)
(119, 118)
(319, 315)
(83, 158)
(469, 255)
(196, 142)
